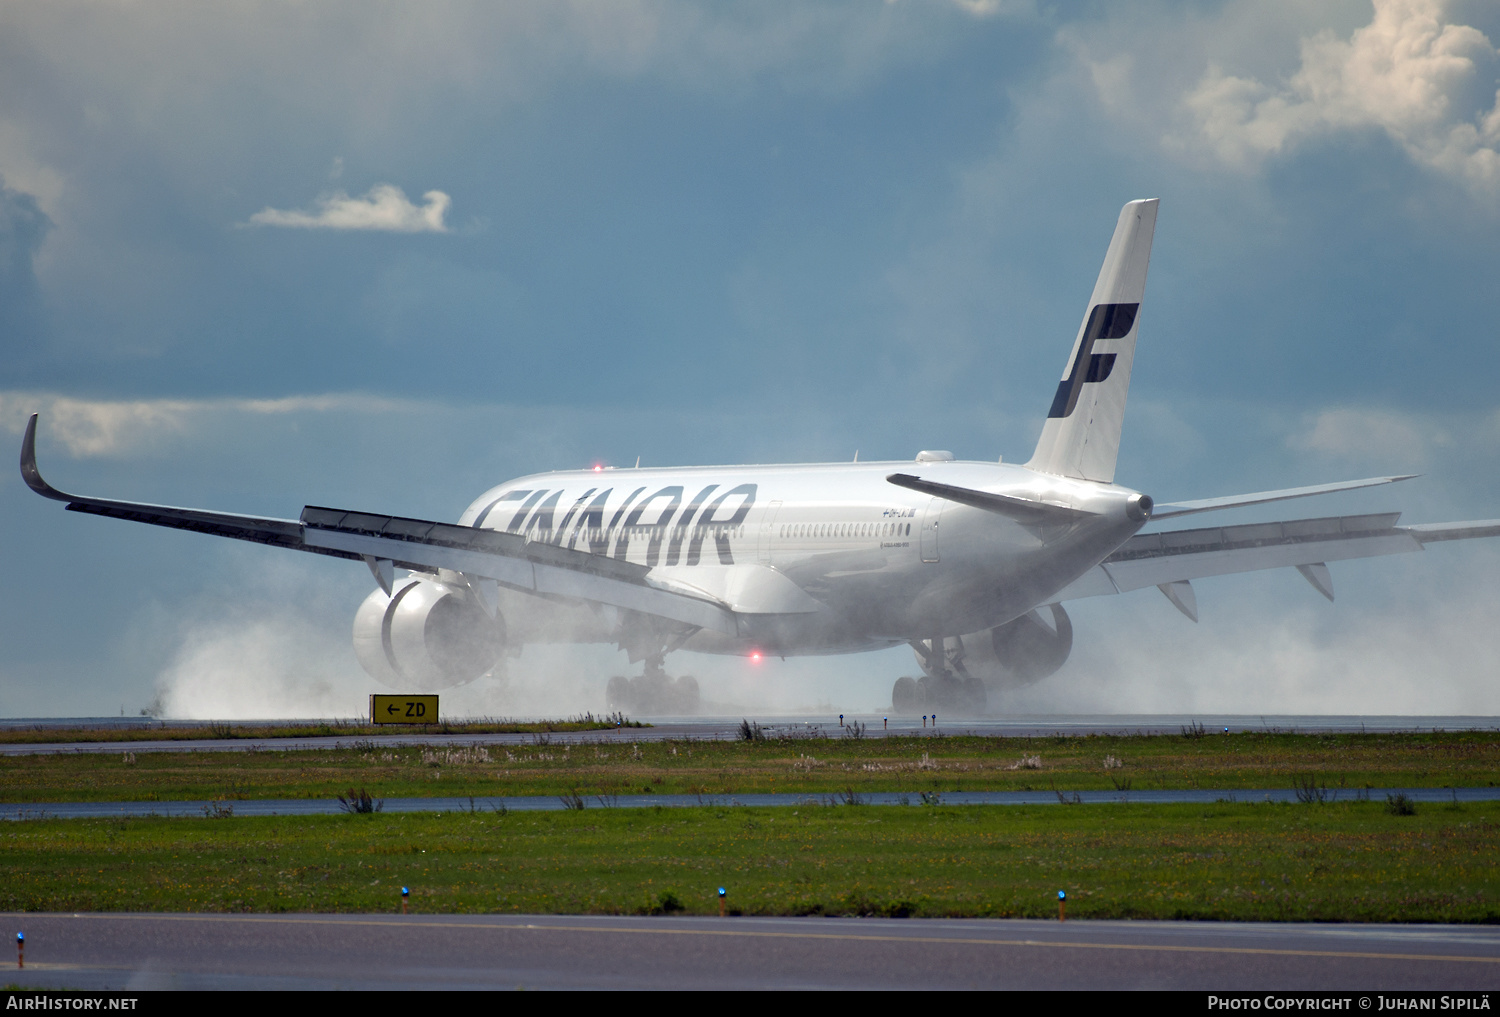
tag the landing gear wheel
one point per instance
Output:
(906, 697)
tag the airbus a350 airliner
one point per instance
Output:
(968, 562)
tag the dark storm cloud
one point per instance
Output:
(23, 228)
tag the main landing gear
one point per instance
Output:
(945, 687)
(653, 693)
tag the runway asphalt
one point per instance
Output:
(148, 951)
(727, 729)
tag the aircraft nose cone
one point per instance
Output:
(1138, 507)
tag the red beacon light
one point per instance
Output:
(598, 468)
(755, 656)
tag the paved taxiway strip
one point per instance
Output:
(553, 803)
(727, 729)
(474, 951)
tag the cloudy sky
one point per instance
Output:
(259, 255)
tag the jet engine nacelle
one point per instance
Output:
(426, 636)
(1022, 651)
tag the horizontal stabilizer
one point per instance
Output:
(1184, 508)
(1022, 510)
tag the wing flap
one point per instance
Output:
(1094, 583)
(1429, 533)
(1200, 564)
(1154, 559)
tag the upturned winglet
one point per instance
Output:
(30, 473)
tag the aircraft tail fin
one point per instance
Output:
(1081, 437)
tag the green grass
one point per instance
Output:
(1349, 861)
(811, 766)
(163, 731)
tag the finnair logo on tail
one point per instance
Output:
(1106, 321)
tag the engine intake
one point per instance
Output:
(426, 636)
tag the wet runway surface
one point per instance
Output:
(727, 729)
(554, 803)
(134, 951)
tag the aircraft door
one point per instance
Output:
(767, 531)
(929, 531)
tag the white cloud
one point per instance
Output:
(1358, 433)
(104, 428)
(385, 207)
(988, 8)
(1407, 73)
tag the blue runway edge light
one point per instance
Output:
(1062, 895)
(722, 891)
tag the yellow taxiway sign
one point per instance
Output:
(403, 709)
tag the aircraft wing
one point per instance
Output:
(421, 545)
(1178, 556)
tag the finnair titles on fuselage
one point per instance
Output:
(968, 562)
(822, 558)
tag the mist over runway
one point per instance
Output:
(145, 951)
(727, 729)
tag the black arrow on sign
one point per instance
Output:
(393, 708)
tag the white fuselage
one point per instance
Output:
(818, 558)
